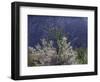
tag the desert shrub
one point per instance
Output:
(82, 55)
(64, 54)
(49, 55)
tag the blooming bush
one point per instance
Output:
(63, 54)
(46, 54)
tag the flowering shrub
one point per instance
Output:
(46, 54)
(64, 54)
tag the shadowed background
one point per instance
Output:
(74, 27)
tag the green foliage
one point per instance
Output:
(82, 55)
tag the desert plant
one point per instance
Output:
(47, 54)
(82, 55)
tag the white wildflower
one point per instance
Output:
(44, 42)
(64, 38)
(38, 47)
(51, 43)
